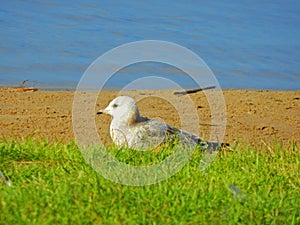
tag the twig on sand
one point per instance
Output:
(193, 90)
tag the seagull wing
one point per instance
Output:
(191, 139)
(148, 134)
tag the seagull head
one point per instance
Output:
(122, 108)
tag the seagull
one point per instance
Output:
(129, 129)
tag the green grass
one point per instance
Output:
(52, 184)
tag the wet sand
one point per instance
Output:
(253, 117)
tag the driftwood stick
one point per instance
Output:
(193, 90)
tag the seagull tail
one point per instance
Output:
(215, 146)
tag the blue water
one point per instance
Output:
(247, 44)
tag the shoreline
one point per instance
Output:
(116, 88)
(253, 117)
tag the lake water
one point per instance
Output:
(247, 44)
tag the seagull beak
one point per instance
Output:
(106, 111)
(102, 111)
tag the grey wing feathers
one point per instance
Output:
(157, 132)
(185, 136)
(148, 133)
(195, 140)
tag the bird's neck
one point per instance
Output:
(133, 115)
(127, 119)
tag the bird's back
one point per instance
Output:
(148, 134)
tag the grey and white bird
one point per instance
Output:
(131, 130)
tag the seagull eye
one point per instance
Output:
(114, 105)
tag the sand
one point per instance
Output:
(253, 117)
